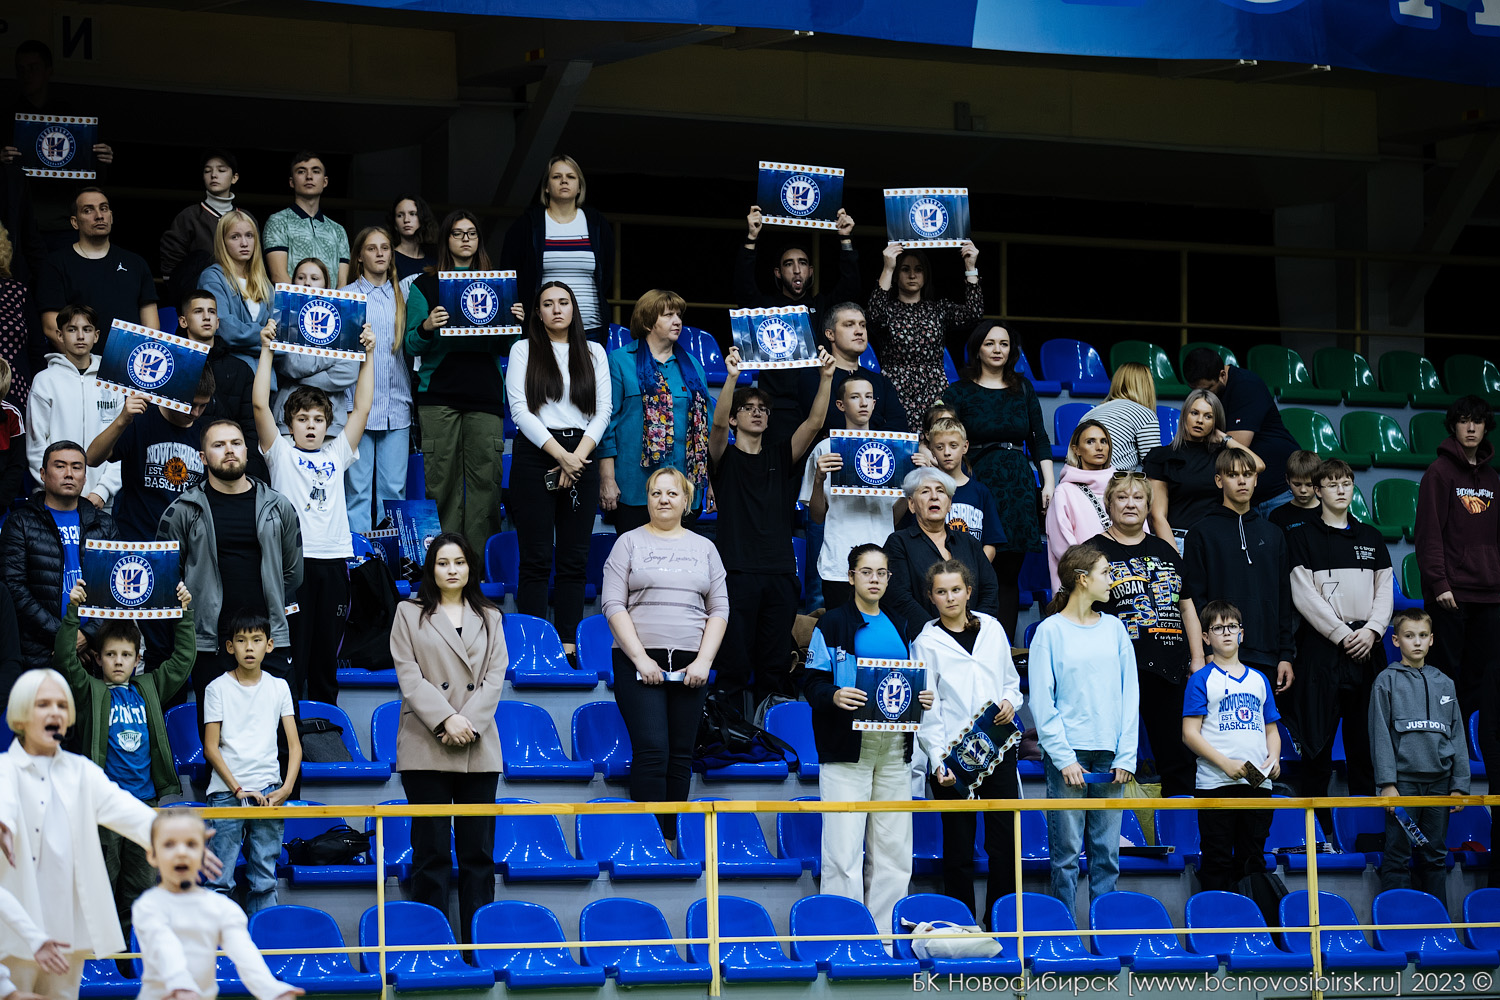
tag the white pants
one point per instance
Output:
(867, 856)
(29, 977)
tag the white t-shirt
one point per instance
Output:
(314, 482)
(1235, 715)
(250, 718)
(850, 521)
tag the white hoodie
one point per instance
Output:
(66, 405)
(963, 682)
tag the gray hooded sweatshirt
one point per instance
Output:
(1416, 728)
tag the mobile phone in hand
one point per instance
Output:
(553, 479)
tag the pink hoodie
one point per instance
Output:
(1071, 518)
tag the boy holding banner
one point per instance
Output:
(67, 404)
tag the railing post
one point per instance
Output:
(1315, 940)
(1020, 888)
(711, 864)
(380, 895)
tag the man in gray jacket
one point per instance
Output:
(241, 551)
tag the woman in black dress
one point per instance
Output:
(1183, 484)
(1002, 415)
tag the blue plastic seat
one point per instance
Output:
(800, 835)
(799, 555)
(1064, 422)
(416, 476)
(397, 845)
(792, 721)
(638, 964)
(1289, 830)
(599, 735)
(1476, 767)
(360, 871)
(1034, 579)
(1349, 822)
(629, 846)
(1130, 831)
(418, 924)
(532, 849)
(186, 743)
(536, 656)
(529, 747)
(929, 906)
(1482, 906)
(949, 368)
(1473, 824)
(841, 960)
(101, 977)
(1167, 419)
(1250, 952)
(514, 920)
(1076, 365)
(384, 722)
(702, 345)
(594, 644)
(358, 677)
(869, 361)
(1341, 949)
(742, 846)
(502, 565)
(745, 962)
(1145, 952)
(1034, 855)
(619, 336)
(361, 768)
(1063, 954)
(304, 927)
(926, 843)
(601, 544)
(1435, 948)
(1043, 387)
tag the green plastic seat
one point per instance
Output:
(1156, 360)
(1361, 510)
(1396, 506)
(1378, 435)
(1315, 433)
(1471, 375)
(1282, 369)
(1411, 578)
(1410, 373)
(1427, 432)
(1224, 353)
(1340, 368)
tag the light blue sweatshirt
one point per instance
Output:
(1084, 694)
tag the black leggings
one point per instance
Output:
(1007, 574)
(662, 720)
(540, 514)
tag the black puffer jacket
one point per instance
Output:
(31, 559)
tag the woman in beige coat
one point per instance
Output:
(449, 646)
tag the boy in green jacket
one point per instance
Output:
(122, 726)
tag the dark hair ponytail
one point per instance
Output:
(1079, 559)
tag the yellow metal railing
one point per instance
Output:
(711, 810)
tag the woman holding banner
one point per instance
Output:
(908, 324)
(558, 388)
(460, 393)
(969, 671)
(240, 286)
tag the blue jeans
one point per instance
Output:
(262, 843)
(1066, 828)
(1265, 507)
(381, 467)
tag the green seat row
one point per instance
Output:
(1406, 378)
(1366, 437)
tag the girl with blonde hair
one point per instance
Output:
(1128, 413)
(240, 286)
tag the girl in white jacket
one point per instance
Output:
(67, 404)
(967, 656)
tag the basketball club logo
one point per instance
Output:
(129, 740)
(150, 365)
(893, 695)
(131, 580)
(875, 463)
(800, 195)
(777, 338)
(319, 322)
(479, 303)
(56, 146)
(1244, 714)
(929, 217)
(977, 751)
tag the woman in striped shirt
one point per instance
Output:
(1128, 413)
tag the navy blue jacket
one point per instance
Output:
(833, 727)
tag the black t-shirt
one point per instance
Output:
(116, 286)
(1249, 406)
(238, 552)
(1189, 474)
(756, 494)
(965, 638)
(1145, 594)
(1289, 515)
(159, 462)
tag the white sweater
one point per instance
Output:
(179, 935)
(962, 681)
(66, 405)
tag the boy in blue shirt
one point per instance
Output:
(1227, 716)
(122, 727)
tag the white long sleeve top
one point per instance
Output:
(180, 933)
(67, 405)
(560, 413)
(962, 681)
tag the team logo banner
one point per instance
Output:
(321, 321)
(875, 462)
(56, 146)
(774, 338)
(416, 524)
(163, 367)
(478, 303)
(891, 688)
(980, 748)
(927, 217)
(791, 194)
(130, 579)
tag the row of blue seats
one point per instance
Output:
(1051, 944)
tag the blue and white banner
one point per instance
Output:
(980, 748)
(792, 194)
(416, 524)
(478, 303)
(60, 146)
(163, 367)
(891, 688)
(781, 337)
(321, 321)
(927, 217)
(875, 462)
(130, 580)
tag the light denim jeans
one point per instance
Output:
(381, 468)
(1265, 507)
(1066, 828)
(262, 842)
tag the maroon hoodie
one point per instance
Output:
(1458, 526)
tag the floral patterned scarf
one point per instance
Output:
(659, 431)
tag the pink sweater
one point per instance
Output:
(1071, 518)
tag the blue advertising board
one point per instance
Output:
(875, 462)
(325, 322)
(478, 303)
(130, 579)
(163, 367)
(927, 217)
(792, 194)
(57, 146)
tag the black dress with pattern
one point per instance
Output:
(908, 340)
(1000, 415)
